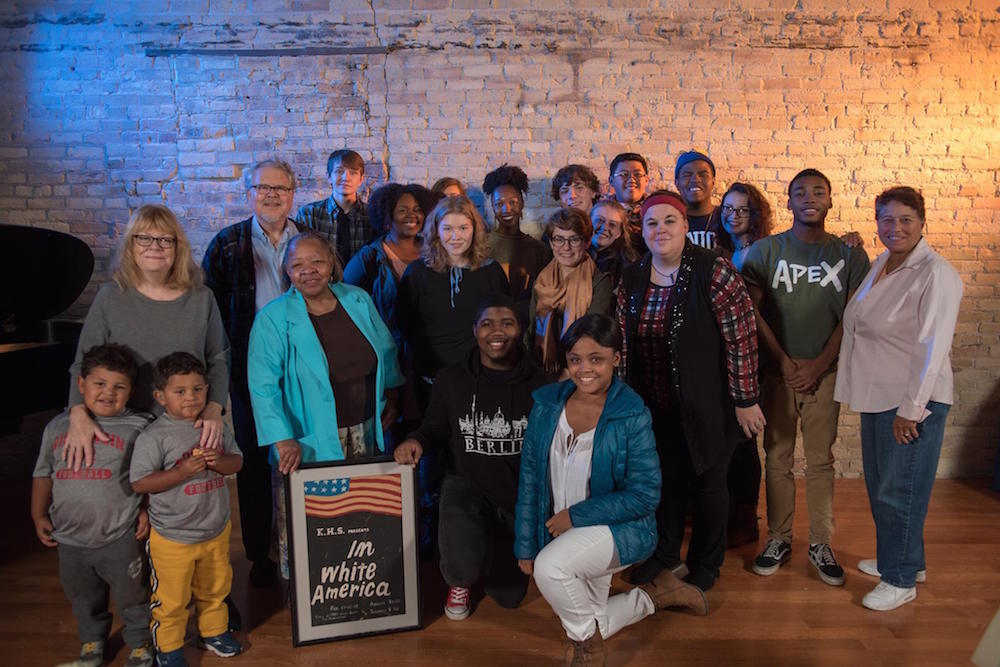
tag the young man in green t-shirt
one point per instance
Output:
(800, 281)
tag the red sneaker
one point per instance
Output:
(457, 606)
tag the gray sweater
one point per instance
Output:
(154, 329)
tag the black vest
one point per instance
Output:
(699, 377)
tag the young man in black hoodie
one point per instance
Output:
(480, 408)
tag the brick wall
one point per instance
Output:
(103, 110)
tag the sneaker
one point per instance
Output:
(173, 658)
(886, 597)
(91, 655)
(830, 572)
(770, 559)
(224, 645)
(457, 606)
(140, 657)
(869, 566)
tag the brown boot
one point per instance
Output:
(591, 652)
(669, 592)
(742, 528)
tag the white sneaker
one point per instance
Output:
(886, 597)
(869, 566)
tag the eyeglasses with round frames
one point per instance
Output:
(145, 240)
(571, 241)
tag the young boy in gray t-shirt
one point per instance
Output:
(188, 513)
(93, 516)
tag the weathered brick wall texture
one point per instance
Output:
(104, 109)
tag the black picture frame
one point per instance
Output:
(352, 550)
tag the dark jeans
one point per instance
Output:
(253, 483)
(743, 478)
(477, 543)
(899, 480)
(88, 577)
(706, 494)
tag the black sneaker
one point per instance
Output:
(770, 559)
(830, 572)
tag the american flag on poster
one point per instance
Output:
(377, 494)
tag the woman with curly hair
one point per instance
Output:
(521, 256)
(576, 186)
(439, 294)
(396, 213)
(743, 218)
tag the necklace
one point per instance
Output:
(669, 276)
(743, 245)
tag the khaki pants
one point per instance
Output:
(180, 571)
(784, 409)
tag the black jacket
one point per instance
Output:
(698, 373)
(482, 420)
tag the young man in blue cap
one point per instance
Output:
(694, 177)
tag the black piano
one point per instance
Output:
(42, 272)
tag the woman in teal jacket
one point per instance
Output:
(587, 496)
(322, 369)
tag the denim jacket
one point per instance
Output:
(624, 486)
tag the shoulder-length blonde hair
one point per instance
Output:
(185, 272)
(434, 254)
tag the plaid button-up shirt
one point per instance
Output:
(348, 229)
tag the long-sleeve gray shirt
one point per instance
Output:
(154, 329)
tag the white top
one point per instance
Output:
(569, 465)
(896, 351)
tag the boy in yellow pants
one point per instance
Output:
(188, 513)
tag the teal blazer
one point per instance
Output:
(290, 380)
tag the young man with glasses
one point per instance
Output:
(243, 268)
(342, 215)
(630, 179)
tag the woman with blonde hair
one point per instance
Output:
(156, 305)
(439, 294)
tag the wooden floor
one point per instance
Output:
(790, 618)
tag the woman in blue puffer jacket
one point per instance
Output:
(587, 497)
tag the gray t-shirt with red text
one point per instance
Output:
(197, 509)
(95, 506)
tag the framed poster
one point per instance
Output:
(352, 550)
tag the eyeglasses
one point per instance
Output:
(145, 240)
(268, 189)
(560, 241)
(741, 212)
(627, 176)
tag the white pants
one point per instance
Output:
(573, 573)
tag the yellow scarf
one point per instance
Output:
(567, 297)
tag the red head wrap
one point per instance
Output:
(663, 198)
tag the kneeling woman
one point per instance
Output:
(322, 370)
(588, 492)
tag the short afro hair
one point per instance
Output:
(506, 175)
